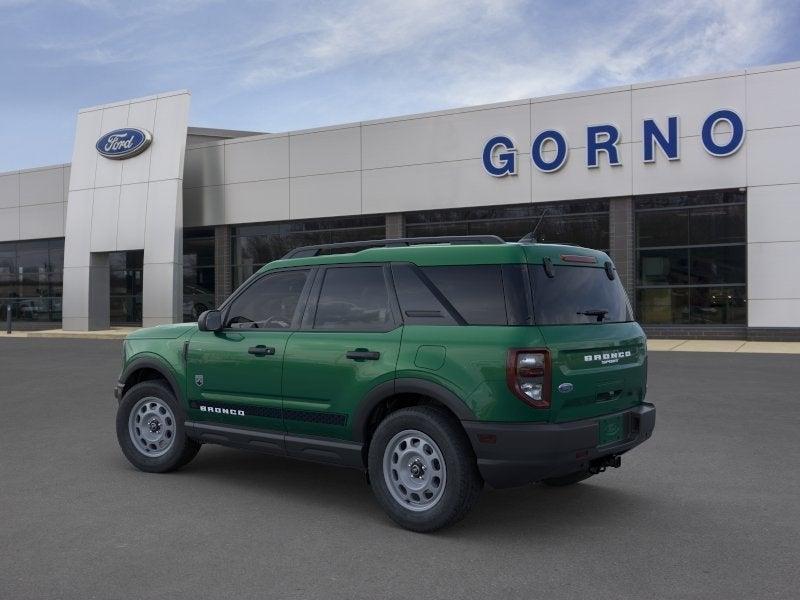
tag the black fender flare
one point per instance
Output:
(406, 385)
(149, 362)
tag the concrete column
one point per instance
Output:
(223, 276)
(162, 276)
(395, 225)
(121, 205)
(621, 243)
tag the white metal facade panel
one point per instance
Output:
(570, 116)
(141, 115)
(692, 101)
(114, 204)
(765, 201)
(329, 195)
(442, 138)
(9, 223)
(262, 159)
(41, 221)
(32, 203)
(43, 186)
(773, 98)
(441, 185)
(327, 151)
(204, 166)
(257, 201)
(9, 190)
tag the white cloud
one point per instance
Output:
(674, 39)
(326, 39)
(470, 52)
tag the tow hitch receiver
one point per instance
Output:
(601, 464)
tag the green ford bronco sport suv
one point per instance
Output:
(433, 364)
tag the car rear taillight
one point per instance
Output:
(528, 376)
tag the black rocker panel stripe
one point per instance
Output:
(271, 412)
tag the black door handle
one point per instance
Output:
(261, 350)
(363, 355)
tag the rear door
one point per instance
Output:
(348, 343)
(234, 376)
(597, 351)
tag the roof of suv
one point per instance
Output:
(454, 254)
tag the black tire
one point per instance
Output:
(463, 482)
(565, 480)
(182, 450)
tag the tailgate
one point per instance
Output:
(596, 369)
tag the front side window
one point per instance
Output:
(269, 303)
(577, 295)
(354, 299)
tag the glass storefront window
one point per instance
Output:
(256, 245)
(583, 223)
(31, 280)
(198, 272)
(126, 287)
(692, 258)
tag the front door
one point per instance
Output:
(348, 343)
(234, 376)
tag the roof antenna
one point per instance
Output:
(530, 238)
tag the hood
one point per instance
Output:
(162, 332)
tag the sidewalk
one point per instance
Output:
(115, 333)
(723, 346)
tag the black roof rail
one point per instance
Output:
(307, 251)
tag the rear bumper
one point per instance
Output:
(522, 453)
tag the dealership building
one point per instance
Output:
(692, 186)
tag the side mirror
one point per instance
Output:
(210, 320)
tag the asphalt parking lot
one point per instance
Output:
(709, 508)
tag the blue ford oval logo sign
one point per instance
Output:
(566, 388)
(124, 143)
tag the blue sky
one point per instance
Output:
(276, 66)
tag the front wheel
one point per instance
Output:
(150, 429)
(423, 469)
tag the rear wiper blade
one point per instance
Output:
(599, 313)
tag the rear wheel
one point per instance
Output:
(150, 429)
(422, 469)
(567, 479)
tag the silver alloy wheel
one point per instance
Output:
(414, 470)
(151, 426)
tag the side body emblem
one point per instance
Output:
(198, 380)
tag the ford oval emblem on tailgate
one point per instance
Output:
(566, 388)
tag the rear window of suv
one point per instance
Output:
(577, 295)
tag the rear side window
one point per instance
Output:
(475, 291)
(577, 295)
(418, 302)
(353, 299)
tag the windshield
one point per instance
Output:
(577, 295)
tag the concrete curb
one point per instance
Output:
(116, 333)
(738, 346)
